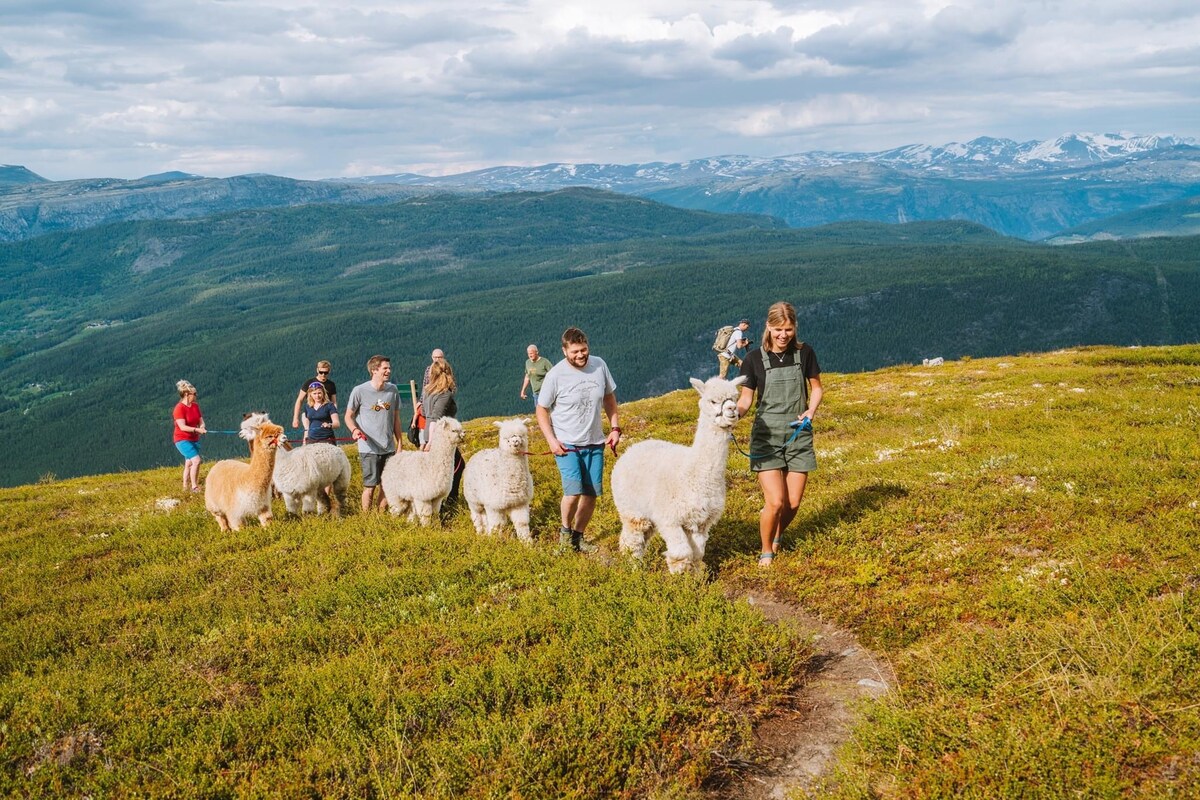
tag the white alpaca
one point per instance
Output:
(235, 490)
(416, 482)
(678, 490)
(497, 483)
(301, 476)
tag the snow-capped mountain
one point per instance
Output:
(979, 157)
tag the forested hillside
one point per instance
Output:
(98, 325)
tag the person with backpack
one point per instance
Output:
(729, 340)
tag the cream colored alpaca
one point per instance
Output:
(678, 490)
(235, 490)
(416, 482)
(497, 483)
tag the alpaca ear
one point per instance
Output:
(698, 385)
(498, 424)
(740, 379)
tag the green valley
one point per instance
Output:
(99, 324)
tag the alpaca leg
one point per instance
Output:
(634, 532)
(222, 522)
(322, 500)
(520, 522)
(235, 522)
(698, 540)
(679, 549)
(435, 510)
(265, 517)
(423, 511)
(479, 518)
(495, 520)
(337, 499)
(291, 503)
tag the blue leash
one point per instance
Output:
(799, 425)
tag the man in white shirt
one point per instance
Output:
(569, 409)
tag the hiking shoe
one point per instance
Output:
(564, 539)
(579, 545)
(570, 541)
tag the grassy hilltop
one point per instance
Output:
(1019, 537)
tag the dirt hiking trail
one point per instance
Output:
(795, 746)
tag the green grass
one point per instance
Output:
(1020, 538)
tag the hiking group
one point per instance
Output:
(573, 401)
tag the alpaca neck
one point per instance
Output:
(710, 448)
(442, 452)
(262, 465)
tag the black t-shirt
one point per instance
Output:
(330, 387)
(756, 373)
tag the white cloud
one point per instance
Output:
(130, 87)
(826, 111)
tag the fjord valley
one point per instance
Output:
(99, 324)
(1017, 537)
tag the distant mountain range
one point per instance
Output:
(32, 206)
(978, 158)
(1032, 190)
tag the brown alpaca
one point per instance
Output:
(235, 490)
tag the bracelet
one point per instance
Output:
(616, 428)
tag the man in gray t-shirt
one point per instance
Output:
(575, 394)
(373, 417)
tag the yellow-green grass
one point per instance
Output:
(1017, 536)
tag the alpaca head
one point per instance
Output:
(718, 400)
(447, 427)
(258, 429)
(514, 436)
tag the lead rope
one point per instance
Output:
(799, 426)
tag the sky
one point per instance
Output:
(308, 89)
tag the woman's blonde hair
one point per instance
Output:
(779, 314)
(312, 387)
(441, 378)
(185, 388)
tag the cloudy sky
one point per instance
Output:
(321, 88)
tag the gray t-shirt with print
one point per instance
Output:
(575, 398)
(374, 411)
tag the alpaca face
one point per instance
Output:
(271, 435)
(449, 427)
(514, 437)
(718, 400)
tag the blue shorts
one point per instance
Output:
(188, 450)
(582, 470)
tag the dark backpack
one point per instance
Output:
(723, 336)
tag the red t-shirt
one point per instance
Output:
(191, 417)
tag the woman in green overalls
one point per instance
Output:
(787, 378)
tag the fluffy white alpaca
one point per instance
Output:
(416, 482)
(301, 476)
(235, 490)
(678, 490)
(497, 483)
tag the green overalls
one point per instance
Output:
(784, 398)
